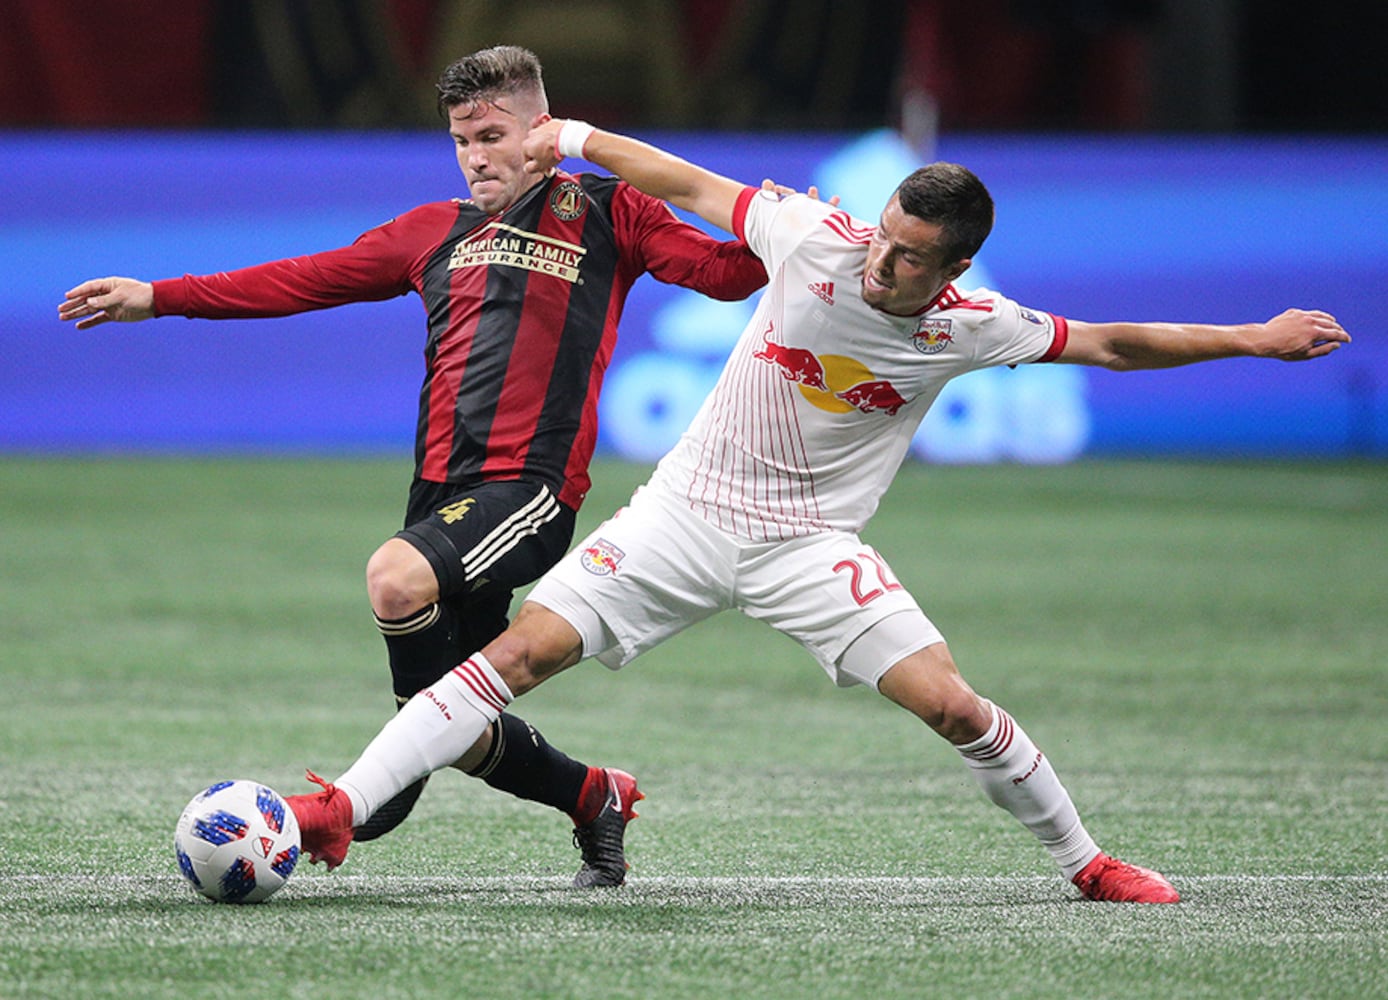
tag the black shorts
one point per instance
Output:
(484, 541)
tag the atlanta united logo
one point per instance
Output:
(932, 336)
(601, 558)
(568, 201)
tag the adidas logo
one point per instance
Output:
(824, 289)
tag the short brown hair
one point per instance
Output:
(953, 198)
(489, 74)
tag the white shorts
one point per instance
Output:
(656, 567)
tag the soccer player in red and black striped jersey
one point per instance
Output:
(523, 285)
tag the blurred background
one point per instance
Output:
(1215, 160)
(1136, 65)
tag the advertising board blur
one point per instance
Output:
(1212, 229)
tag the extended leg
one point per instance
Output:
(1015, 775)
(512, 535)
(439, 726)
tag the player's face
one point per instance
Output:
(906, 267)
(488, 137)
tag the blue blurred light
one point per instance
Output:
(1218, 230)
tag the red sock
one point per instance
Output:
(590, 797)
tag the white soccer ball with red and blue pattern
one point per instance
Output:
(237, 842)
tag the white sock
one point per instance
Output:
(434, 729)
(1018, 777)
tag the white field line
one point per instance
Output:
(326, 880)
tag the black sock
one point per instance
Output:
(522, 763)
(421, 648)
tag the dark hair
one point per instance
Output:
(491, 73)
(950, 196)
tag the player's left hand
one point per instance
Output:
(541, 146)
(1299, 335)
(782, 190)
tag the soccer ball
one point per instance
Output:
(237, 842)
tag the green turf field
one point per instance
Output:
(1199, 648)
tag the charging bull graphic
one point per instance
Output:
(878, 396)
(796, 364)
(832, 382)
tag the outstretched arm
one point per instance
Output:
(102, 300)
(662, 175)
(1295, 335)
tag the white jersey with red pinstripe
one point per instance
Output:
(822, 394)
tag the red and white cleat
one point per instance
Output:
(1114, 881)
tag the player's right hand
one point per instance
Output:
(541, 151)
(782, 191)
(102, 300)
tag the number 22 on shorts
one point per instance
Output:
(859, 573)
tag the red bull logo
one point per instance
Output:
(795, 363)
(877, 396)
(601, 558)
(932, 336)
(832, 382)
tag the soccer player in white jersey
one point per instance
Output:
(759, 505)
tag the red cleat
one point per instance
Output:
(1114, 881)
(325, 822)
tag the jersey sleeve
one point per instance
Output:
(773, 226)
(677, 253)
(1009, 333)
(379, 264)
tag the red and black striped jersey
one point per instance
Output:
(522, 310)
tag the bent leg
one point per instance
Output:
(441, 589)
(421, 633)
(928, 685)
(419, 630)
(521, 762)
(441, 723)
(1013, 773)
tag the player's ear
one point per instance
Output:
(541, 118)
(958, 268)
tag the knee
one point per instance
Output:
(960, 717)
(538, 645)
(399, 580)
(521, 660)
(929, 686)
(953, 712)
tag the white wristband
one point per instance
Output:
(572, 135)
